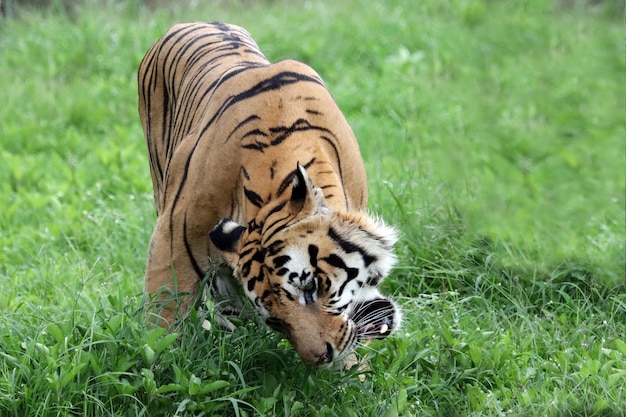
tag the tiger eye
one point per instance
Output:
(310, 286)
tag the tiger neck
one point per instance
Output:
(266, 185)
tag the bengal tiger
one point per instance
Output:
(254, 167)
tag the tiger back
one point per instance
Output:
(254, 166)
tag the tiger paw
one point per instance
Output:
(351, 361)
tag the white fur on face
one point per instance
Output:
(344, 289)
(301, 273)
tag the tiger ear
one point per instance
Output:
(226, 236)
(306, 198)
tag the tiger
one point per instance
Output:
(260, 186)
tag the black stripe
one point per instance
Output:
(181, 185)
(328, 284)
(313, 252)
(253, 197)
(338, 159)
(275, 247)
(281, 260)
(275, 82)
(241, 124)
(276, 209)
(196, 267)
(337, 262)
(267, 236)
(286, 182)
(265, 295)
(272, 168)
(257, 146)
(300, 125)
(254, 132)
(350, 247)
(252, 281)
(288, 294)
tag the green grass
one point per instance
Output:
(493, 136)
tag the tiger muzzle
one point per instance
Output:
(375, 319)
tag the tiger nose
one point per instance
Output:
(327, 356)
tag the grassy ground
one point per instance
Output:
(493, 134)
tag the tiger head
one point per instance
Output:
(312, 272)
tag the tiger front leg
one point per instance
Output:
(171, 281)
(227, 300)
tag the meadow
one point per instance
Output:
(493, 137)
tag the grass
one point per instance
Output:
(493, 139)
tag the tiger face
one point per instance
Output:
(312, 273)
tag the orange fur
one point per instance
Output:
(227, 133)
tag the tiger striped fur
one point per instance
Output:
(254, 166)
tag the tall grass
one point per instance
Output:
(492, 134)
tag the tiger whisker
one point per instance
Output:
(371, 316)
(370, 320)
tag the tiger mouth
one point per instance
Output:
(371, 330)
(374, 319)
